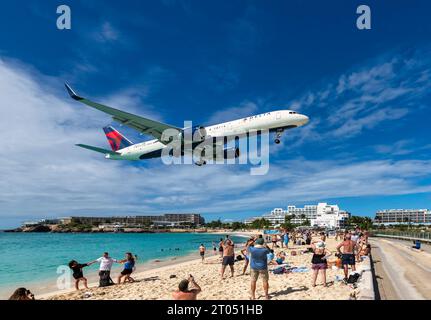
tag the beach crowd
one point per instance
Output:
(261, 254)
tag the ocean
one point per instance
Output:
(31, 259)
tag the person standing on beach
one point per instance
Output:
(214, 248)
(220, 248)
(106, 263)
(184, 293)
(202, 252)
(285, 239)
(258, 266)
(228, 257)
(348, 254)
(319, 262)
(274, 240)
(78, 275)
(246, 254)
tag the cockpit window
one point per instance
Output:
(292, 112)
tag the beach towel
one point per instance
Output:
(298, 269)
(284, 265)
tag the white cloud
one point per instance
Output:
(107, 33)
(364, 98)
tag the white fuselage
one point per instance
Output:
(273, 120)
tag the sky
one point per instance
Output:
(366, 92)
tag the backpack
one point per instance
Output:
(353, 278)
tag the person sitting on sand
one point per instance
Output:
(228, 257)
(202, 251)
(129, 265)
(22, 294)
(319, 262)
(184, 293)
(78, 275)
(280, 258)
(258, 266)
(348, 256)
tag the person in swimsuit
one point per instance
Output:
(202, 252)
(319, 263)
(348, 254)
(129, 265)
(78, 275)
(274, 241)
(214, 248)
(184, 293)
(228, 257)
(279, 259)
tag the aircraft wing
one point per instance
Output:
(141, 124)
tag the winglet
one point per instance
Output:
(72, 93)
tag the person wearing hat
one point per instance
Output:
(184, 293)
(319, 262)
(259, 265)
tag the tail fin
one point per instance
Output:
(116, 139)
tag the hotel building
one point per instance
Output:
(169, 219)
(403, 216)
(321, 215)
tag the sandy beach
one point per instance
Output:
(159, 283)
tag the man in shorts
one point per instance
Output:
(202, 252)
(228, 257)
(348, 254)
(259, 266)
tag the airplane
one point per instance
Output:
(123, 149)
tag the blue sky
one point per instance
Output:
(366, 92)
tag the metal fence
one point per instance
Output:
(404, 235)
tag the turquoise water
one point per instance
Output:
(34, 257)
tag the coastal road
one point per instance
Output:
(402, 273)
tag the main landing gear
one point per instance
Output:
(278, 136)
(200, 163)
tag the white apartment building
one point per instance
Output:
(321, 215)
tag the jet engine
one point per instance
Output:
(194, 134)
